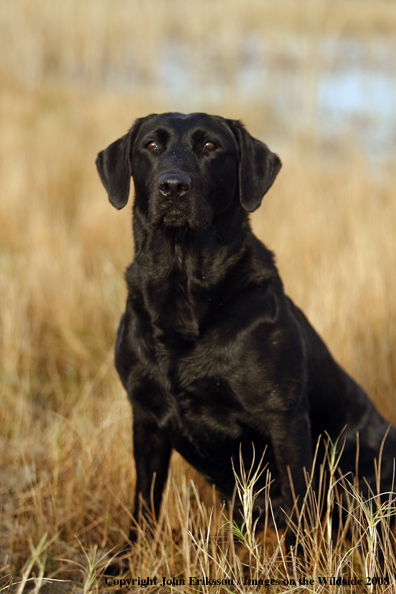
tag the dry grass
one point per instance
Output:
(122, 42)
(66, 471)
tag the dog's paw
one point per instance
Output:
(119, 564)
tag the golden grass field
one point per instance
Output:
(66, 469)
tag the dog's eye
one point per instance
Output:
(210, 146)
(152, 145)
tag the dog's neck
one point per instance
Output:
(200, 256)
(180, 274)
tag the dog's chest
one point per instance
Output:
(205, 415)
(210, 405)
(200, 400)
(177, 312)
(202, 381)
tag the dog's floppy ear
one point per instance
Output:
(258, 167)
(114, 167)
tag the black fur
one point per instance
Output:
(212, 353)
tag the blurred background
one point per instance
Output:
(326, 65)
(314, 79)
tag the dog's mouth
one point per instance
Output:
(176, 221)
(174, 218)
(169, 215)
(177, 214)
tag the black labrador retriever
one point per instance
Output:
(213, 355)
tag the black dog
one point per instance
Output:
(213, 355)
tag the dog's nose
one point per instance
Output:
(174, 185)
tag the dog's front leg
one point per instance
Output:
(152, 450)
(292, 445)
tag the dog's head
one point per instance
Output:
(187, 168)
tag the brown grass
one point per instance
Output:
(66, 471)
(98, 41)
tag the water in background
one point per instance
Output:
(342, 87)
